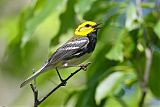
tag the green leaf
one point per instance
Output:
(82, 6)
(157, 29)
(155, 73)
(20, 48)
(104, 10)
(132, 95)
(116, 52)
(87, 96)
(34, 21)
(107, 86)
(132, 19)
(67, 21)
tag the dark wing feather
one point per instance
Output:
(68, 49)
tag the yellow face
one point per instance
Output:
(85, 28)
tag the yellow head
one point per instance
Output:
(85, 28)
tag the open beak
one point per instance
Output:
(97, 26)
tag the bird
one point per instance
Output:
(72, 53)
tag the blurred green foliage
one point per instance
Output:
(116, 76)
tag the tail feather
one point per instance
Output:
(28, 80)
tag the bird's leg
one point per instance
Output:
(63, 81)
(84, 66)
(59, 74)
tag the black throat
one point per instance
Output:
(92, 41)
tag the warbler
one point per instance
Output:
(75, 51)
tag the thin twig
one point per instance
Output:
(62, 83)
(148, 54)
(35, 91)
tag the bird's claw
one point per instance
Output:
(84, 66)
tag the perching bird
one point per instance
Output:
(75, 51)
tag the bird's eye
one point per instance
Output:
(87, 25)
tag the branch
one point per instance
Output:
(148, 54)
(62, 83)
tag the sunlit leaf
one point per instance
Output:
(132, 19)
(67, 21)
(87, 96)
(107, 86)
(157, 29)
(34, 21)
(114, 84)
